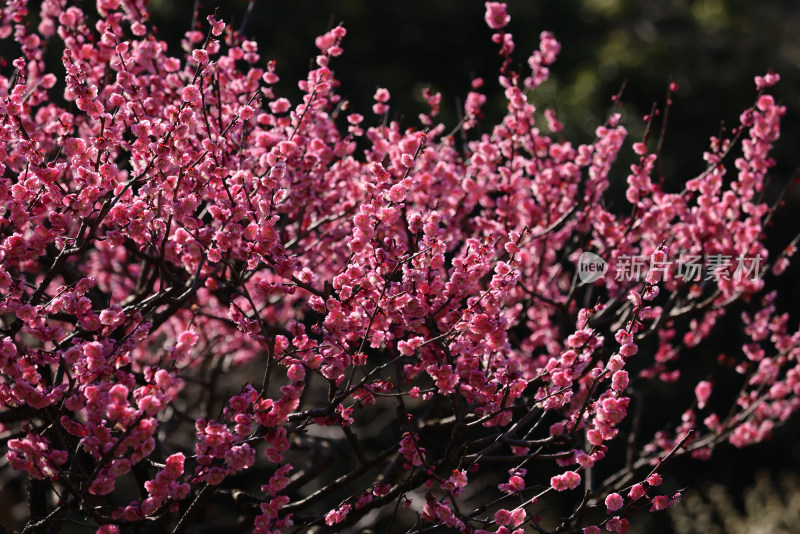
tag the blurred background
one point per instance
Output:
(712, 48)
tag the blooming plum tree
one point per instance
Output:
(208, 294)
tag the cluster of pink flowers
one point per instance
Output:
(201, 282)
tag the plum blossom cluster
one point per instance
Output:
(215, 299)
